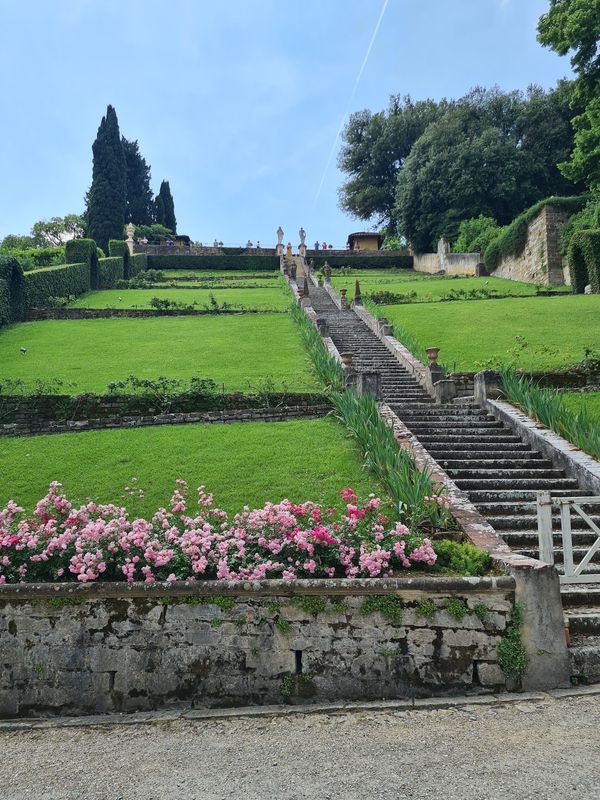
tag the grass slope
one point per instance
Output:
(431, 287)
(557, 329)
(271, 298)
(588, 400)
(238, 351)
(241, 463)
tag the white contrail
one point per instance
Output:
(351, 98)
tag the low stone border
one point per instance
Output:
(282, 414)
(42, 314)
(275, 711)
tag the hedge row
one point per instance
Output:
(78, 251)
(365, 262)
(12, 290)
(118, 247)
(38, 257)
(245, 263)
(137, 263)
(583, 258)
(512, 238)
(111, 271)
(68, 279)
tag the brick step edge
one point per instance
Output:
(229, 415)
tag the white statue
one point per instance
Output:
(302, 235)
(279, 235)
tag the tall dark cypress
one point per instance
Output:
(140, 202)
(165, 207)
(107, 195)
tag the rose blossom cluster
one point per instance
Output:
(283, 540)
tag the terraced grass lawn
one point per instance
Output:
(431, 287)
(241, 463)
(238, 351)
(587, 400)
(469, 333)
(274, 298)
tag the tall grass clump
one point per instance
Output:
(550, 408)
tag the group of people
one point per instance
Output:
(249, 245)
(323, 246)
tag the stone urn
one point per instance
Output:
(432, 354)
(346, 359)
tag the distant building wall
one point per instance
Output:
(447, 262)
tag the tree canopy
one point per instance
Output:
(165, 207)
(139, 197)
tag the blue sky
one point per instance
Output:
(237, 103)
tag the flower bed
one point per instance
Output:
(62, 542)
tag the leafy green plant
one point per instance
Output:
(283, 626)
(511, 653)
(165, 391)
(461, 557)
(583, 259)
(389, 606)
(310, 605)
(456, 608)
(426, 608)
(481, 611)
(287, 686)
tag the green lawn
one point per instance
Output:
(430, 287)
(241, 463)
(271, 298)
(469, 333)
(588, 400)
(237, 350)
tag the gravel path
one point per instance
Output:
(548, 749)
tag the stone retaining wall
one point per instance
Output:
(77, 649)
(38, 426)
(40, 314)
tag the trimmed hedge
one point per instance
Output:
(111, 271)
(364, 262)
(137, 263)
(38, 257)
(246, 263)
(12, 291)
(583, 258)
(118, 247)
(63, 281)
(79, 250)
(512, 238)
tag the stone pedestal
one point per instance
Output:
(488, 386)
(302, 250)
(305, 302)
(445, 391)
(369, 382)
(323, 327)
(279, 249)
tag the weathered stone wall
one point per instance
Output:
(467, 264)
(541, 261)
(100, 648)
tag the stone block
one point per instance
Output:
(490, 674)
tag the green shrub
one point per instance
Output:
(246, 263)
(461, 557)
(63, 281)
(511, 653)
(511, 239)
(586, 219)
(583, 259)
(364, 261)
(137, 263)
(12, 299)
(118, 247)
(111, 271)
(79, 251)
(475, 234)
(38, 257)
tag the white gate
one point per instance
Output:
(573, 573)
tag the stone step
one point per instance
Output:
(484, 438)
(578, 553)
(453, 448)
(585, 659)
(529, 537)
(455, 424)
(497, 463)
(516, 483)
(580, 595)
(583, 621)
(525, 507)
(515, 495)
(506, 473)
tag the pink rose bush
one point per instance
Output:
(61, 542)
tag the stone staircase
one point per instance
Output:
(486, 459)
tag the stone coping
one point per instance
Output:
(563, 453)
(428, 584)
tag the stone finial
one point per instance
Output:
(346, 359)
(130, 232)
(357, 294)
(327, 272)
(432, 354)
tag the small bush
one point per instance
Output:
(586, 219)
(63, 281)
(512, 657)
(364, 261)
(475, 234)
(456, 608)
(38, 257)
(583, 259)
(461, 557)
(78, 251)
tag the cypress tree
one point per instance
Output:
(140, 204)
(165, 207)
(107, 195)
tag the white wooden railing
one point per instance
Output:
(573, 573)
